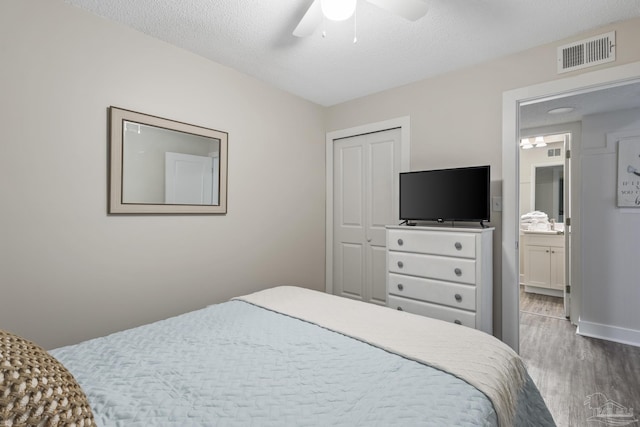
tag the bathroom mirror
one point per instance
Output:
(163, 166)
(549, 191)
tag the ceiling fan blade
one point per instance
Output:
(409, 9)
(310, 21)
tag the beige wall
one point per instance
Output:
(68, 271)
(456, 118)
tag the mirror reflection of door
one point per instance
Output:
(189, 179)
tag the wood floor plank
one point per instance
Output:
(568, 368)
(541, 304)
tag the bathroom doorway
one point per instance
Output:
(588, 94)
(544, 247)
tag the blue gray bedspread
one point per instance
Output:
(238, 364)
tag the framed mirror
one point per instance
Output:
(159, 165)
(549, 191)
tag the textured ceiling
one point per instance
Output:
(254, 37)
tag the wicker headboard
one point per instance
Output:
(36, 390)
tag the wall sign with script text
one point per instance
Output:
(629, 173)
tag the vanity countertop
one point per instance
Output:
(543, 232)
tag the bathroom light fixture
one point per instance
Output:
(525, 144)
(540, 142)
(561, 110)
(338, 10)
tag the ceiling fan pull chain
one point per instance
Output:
(355, 25)
(324, 27)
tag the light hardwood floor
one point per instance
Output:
(541, 304)
(568, 368)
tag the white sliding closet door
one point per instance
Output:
(365, 185)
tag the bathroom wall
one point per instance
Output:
(610, 235)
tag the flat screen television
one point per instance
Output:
(459, 194)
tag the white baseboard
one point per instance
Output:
(609, 333)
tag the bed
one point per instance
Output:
(292, 356)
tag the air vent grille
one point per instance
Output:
(554, 152)
(587, 53)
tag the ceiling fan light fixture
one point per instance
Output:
(338, 10)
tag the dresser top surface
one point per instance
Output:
(441, 228)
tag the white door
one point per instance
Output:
(188, 179)
(567, 226)
(365, 185)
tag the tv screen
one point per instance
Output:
(460, 194)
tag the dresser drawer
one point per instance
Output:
(435, 311)
(433, 242)
(460, 270)
(451, 294)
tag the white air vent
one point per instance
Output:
(554, 152)
(587, 53)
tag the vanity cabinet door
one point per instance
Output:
(557, 268)
(538, 259)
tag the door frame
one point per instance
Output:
(404, 123)
(573, 133)
(511, 102)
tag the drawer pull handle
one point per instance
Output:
(400, 242)
(399, 308)
(458, 272)
(457, 322)
(400, 286)
(400, 264)
(458, 297)
(458, 245)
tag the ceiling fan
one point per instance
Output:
(339, 10)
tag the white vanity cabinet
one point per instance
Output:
(442, 272)
(544, 270)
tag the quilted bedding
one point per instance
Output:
(236, 363)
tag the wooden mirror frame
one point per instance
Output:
(117, 119)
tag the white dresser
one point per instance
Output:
(442, 272)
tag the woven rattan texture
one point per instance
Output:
(36, 390)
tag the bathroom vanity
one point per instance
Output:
(544, 262)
